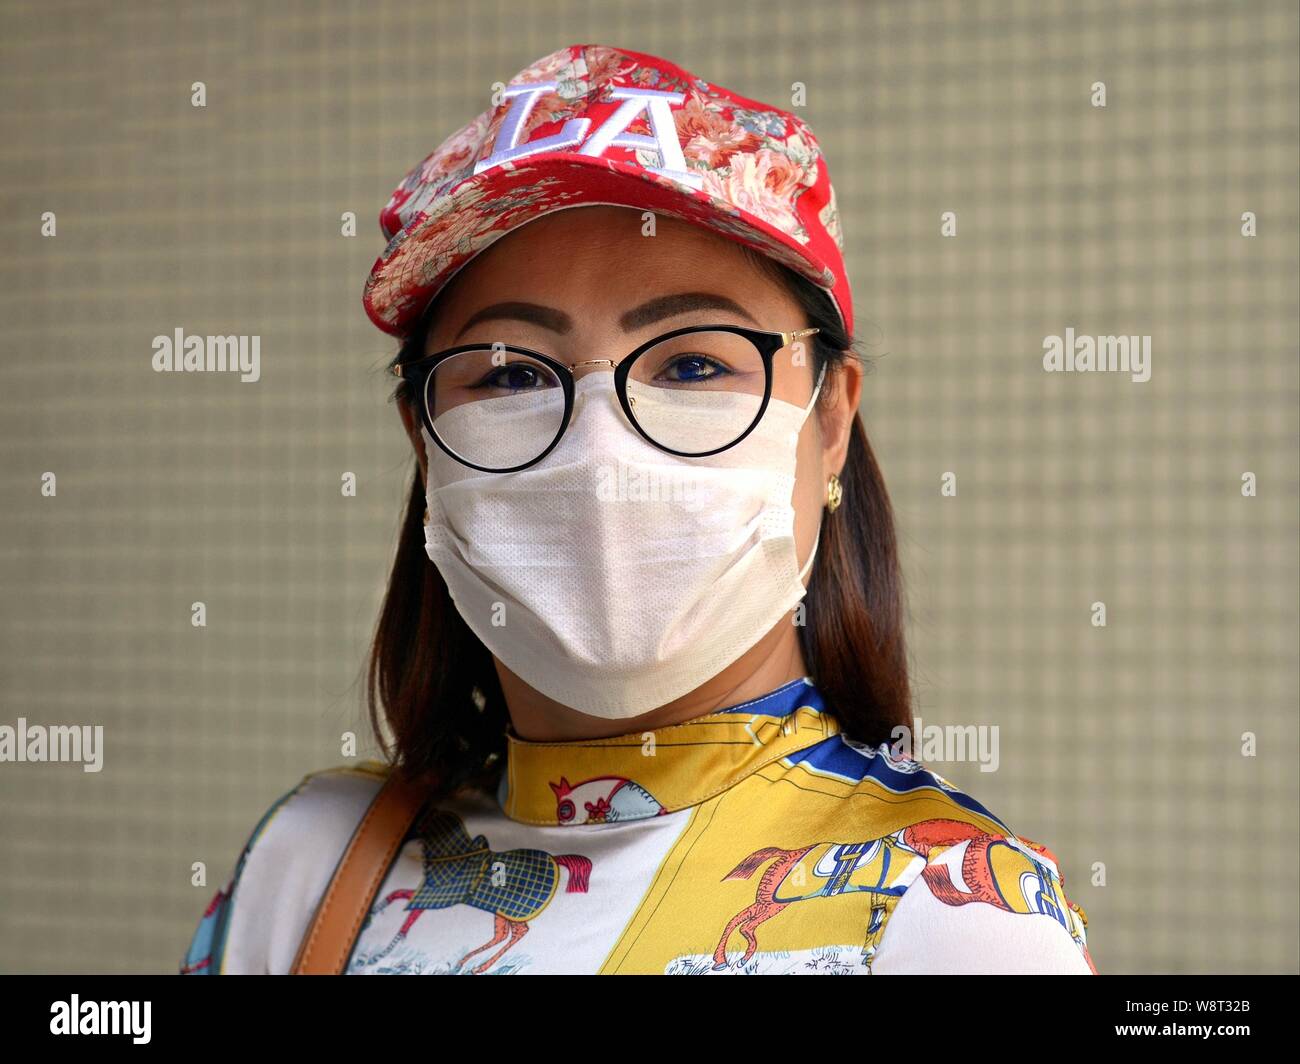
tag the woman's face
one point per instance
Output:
(607, 289)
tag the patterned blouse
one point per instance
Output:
(756, 839)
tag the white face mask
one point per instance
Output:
(612, 576)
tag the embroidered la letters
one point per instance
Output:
(611, 133)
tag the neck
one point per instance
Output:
(776, 659)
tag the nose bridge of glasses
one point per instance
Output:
(593, 362)
(574, 368)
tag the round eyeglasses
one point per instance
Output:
(691, 392)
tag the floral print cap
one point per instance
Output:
(590, 124)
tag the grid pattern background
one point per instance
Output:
(1120, 746)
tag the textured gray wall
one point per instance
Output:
(1120, 746)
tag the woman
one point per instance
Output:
(648, 684)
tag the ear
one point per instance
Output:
(837, 417)
(413, 424)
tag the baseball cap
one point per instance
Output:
(591, 124)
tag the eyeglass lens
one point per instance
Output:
(693, 394)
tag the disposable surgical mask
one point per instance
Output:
(614, 577)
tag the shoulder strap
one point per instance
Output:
(328, 943)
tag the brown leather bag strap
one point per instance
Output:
(328, 943)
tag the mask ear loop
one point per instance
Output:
(806, 410)
(811, 555)
(821, 376)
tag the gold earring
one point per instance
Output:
(426, 515)
(834, 493)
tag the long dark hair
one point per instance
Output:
(433, 682)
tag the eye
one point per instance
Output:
(516, 377)
(691, 369)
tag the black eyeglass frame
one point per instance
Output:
(419, 371)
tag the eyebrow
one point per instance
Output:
(647, 313)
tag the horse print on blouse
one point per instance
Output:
(603, 800)
(515, 886)
(997, 870)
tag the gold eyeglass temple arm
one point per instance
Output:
(788, 338)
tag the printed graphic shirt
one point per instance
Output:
(756, 839)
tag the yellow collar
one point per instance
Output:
(645, 774)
